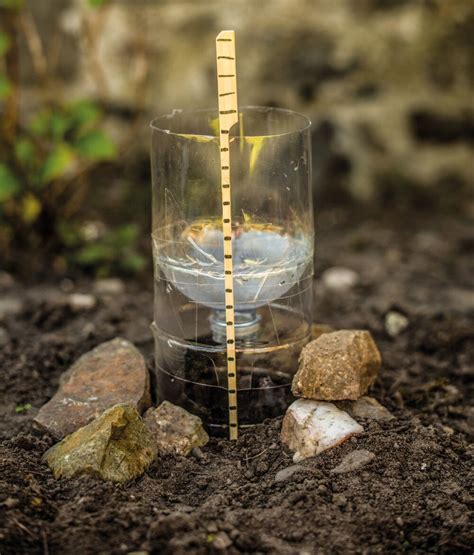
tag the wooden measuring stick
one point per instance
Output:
(228, 116)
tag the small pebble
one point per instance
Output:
(339, 500)
(285, 473)
(10, 306)
(6, 280)
(353, 461)
(222, 541)
(339, 278)
(366, 407)
(395, 323)
(4, 337)
(109, 286)
(81, 301)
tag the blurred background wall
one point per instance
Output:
(387, 83)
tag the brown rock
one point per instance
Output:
(174, 429)
(112, 373)
(116, 446)
(337, 366)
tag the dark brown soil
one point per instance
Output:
(413, 497)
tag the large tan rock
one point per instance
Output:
(337, 366)
(310, 427)
(114, 372)
(174, 429)
(116, 446)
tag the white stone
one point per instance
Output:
(395, 323)
(311, 427)
(109, 286)
(339, 278)
(81, 301)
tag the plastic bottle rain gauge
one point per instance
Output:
(233, 255)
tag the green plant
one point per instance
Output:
(47, 164)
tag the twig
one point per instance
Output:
(23, 527)
(9, 20)
(45, 542)
(35, 45)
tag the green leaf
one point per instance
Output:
(59, 162)
(12, 4)
(94, 254)
(4, 43)
(25, 151)
(22, 408)
(40, 124)
(96, 145)
(84, 112)
(125, 235)
(30, 208)
(9, 184)
(96, 3)
(5, 86)
(133, 262)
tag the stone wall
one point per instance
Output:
(387, 83)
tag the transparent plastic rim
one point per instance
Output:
(158, 123)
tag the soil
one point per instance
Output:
(412, 497)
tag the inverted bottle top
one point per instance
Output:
(254, 121)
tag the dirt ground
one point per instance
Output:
(413, 497)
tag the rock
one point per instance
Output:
(81, 301)
(353, 461)
(366, 407)
(114, 372)
(109, 286)
(174, 429)
(319, 329)
(6, 280)
(310, 427)
(395, 323)
(4, 337)
(221, 541)
(10, 306)
(116, 446)
(339, 278)
(336, 366)
(286, 473)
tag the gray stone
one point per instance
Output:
(311, 427)
(114, 372)
(109, 286)
(395, 323)
(353, 461)
(10, 306)
(339, 279)
(174, 429)
(286, 473)
(116, 446)
(337, 366)
(4, 337)
(366, 407)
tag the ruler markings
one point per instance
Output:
(228, 116)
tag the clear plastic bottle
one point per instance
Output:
(272, 241)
